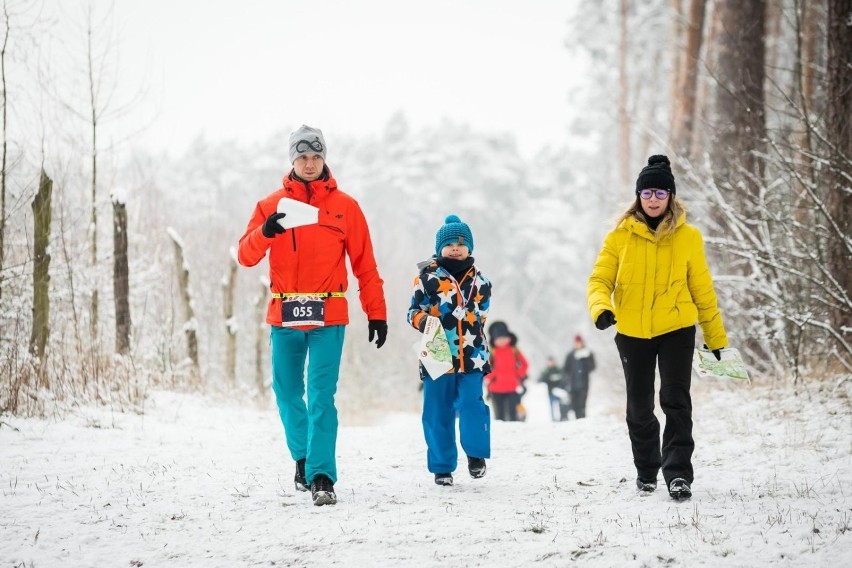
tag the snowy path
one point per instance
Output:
(198, 483)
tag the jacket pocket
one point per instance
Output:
(326, 243)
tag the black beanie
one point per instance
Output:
(656, 175)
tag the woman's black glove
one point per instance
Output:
(378, 328)
(717, 353)
(271, 226)
(606, 319)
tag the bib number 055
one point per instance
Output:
(303, 310)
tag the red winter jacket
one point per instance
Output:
(312, 258)
(508, 366)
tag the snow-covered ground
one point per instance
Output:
(196, 482)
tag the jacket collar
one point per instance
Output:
(640, 228)
(312, 192)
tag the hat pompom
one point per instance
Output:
(659, 159)
(454, 230)
(656, 175)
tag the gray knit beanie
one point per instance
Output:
(306, 140)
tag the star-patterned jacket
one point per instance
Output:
(436, 293)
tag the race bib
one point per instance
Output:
(303, 310)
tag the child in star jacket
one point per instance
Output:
(451, 289)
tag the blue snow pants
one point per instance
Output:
(442, 398)
(310, 429)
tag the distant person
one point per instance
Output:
(557, 394)
(450, 288)
(579, 364)
(308, 310)
(508, 371)
(652, 281)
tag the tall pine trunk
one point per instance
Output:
(839, 133)
(5, 142)
(739, 97)
(623, 117)
(688, 79)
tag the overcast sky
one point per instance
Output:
(241, 70)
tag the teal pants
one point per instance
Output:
(310, 428)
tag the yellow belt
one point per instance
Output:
(297, 294)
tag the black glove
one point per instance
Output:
(606, 319)
(271, 227)
(378, 328)
(717, 353)
(422, 325)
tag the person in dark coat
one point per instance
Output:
(557, 394)
(579, 364)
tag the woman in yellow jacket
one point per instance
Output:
(652, 281)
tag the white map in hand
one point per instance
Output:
(730, 367)
(298, 213)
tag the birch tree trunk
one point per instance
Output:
(41, 264)
(229, 286)
(190, 323)
(121, 277)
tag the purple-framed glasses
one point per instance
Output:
(658, 193)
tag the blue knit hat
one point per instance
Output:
(453, 231)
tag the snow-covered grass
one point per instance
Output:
(196, 482)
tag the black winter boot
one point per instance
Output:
(322, 491)
(679, 489)
(299, 480)
(444, 478)
(476, 467)
(646, 486)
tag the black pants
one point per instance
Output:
(505, 406)
(639, 357)
(578, 402)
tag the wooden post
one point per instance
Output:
(261, 336)
(41, 263)
(121, 275)
(190, 323)
(229, 287)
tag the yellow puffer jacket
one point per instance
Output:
(655, 287)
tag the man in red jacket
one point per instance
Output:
(308, 311)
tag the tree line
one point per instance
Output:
(751, 100)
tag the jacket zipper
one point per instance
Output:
(460, 330)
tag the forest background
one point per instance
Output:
(117, 270)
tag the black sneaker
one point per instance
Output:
(322, 491)
(679, 489)
(299, 480)
(646, 486)
(476, 467)
(444, 478)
